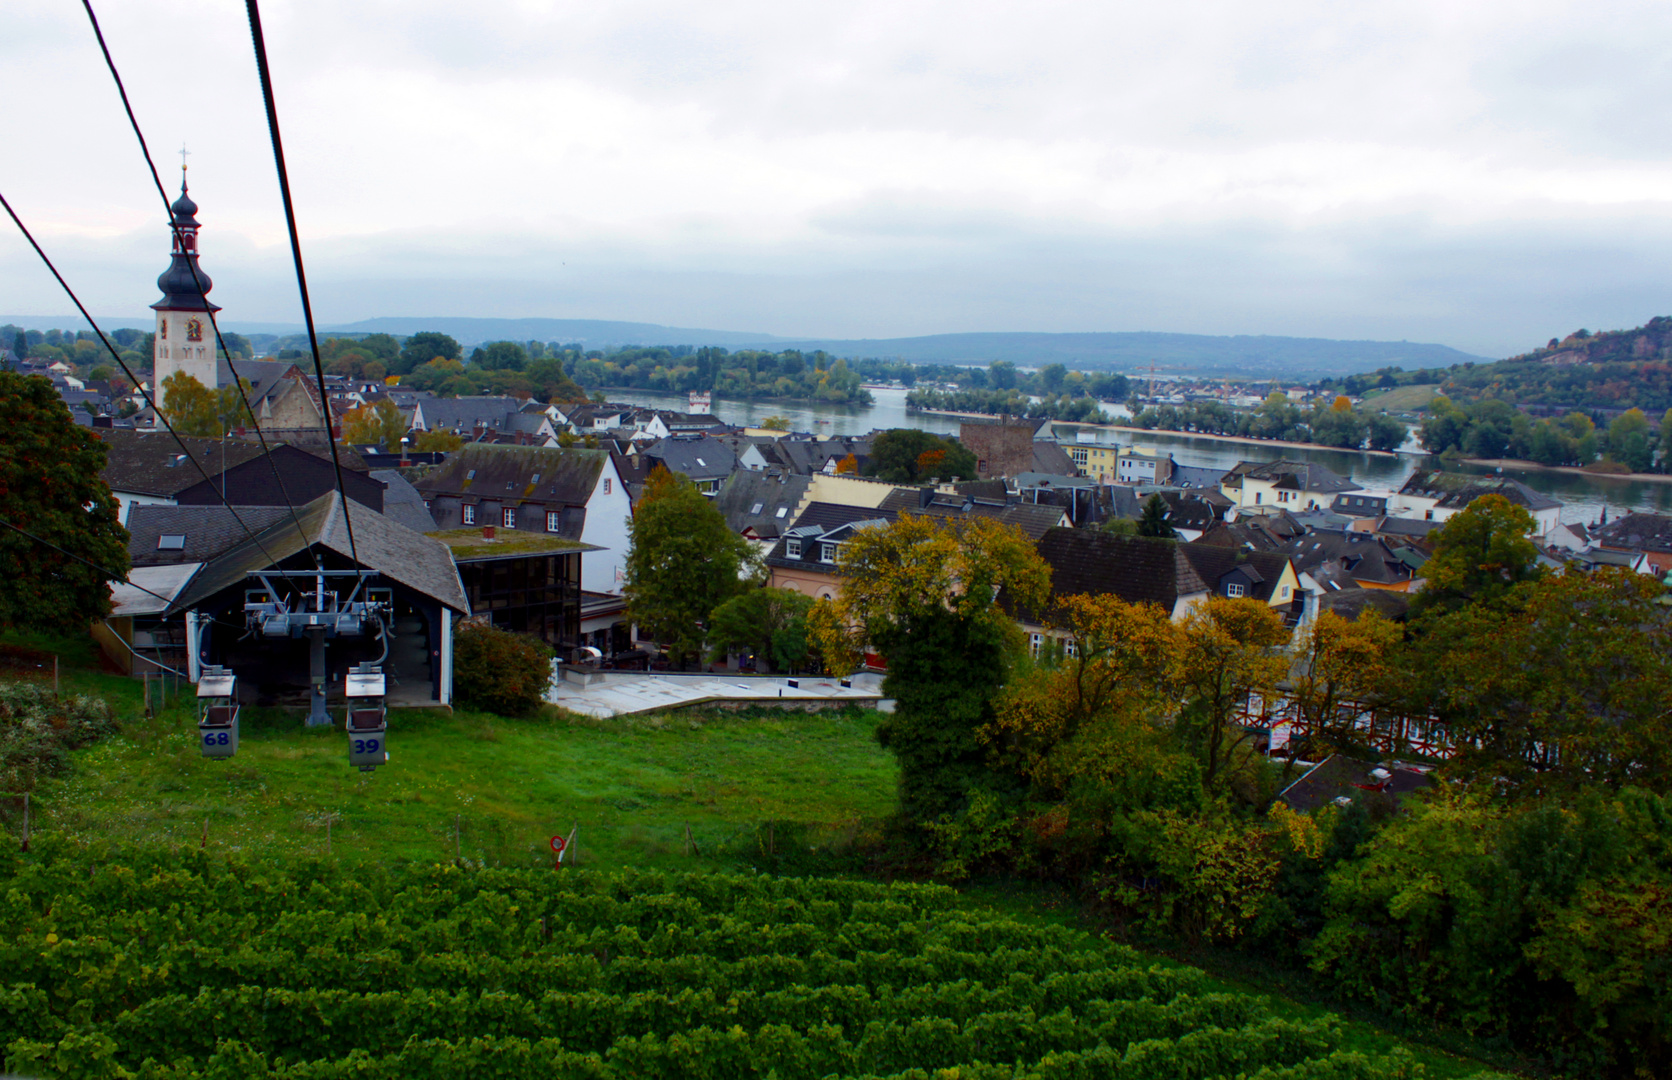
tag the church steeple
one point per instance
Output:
(184, 339)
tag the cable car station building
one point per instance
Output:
(297, 596)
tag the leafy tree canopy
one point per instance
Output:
(421, 348)
(683, 561)
(769, 623)
(1480, 552)
(50, 485)
(907, 455)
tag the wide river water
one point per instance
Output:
(1584, 496)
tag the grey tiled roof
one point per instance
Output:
(515, 473)
(762, 501)
(1212, 563)
(698, 458)
(1134, 568)
(1458, 490)
(1361, 555)
(402, 502)
(393, 550)
(148, 462)
(1637, 532)
(206, 532)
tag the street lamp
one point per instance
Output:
(404, 461)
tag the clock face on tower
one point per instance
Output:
(194, 330)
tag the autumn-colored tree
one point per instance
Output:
(1230, 651)
(381, 424)
(190, 407)
(1480, 553)
(1341, 669)
(847, 465)
(1098, 712)
(431, 441)
(924, 592)
(779, 423)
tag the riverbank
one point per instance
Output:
(1519, 465)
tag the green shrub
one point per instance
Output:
(499, 671)
(38, 730)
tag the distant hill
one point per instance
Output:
(593, 333)
(1260, 356)
(1612, 370)
(1284, 357)
(1300, 359)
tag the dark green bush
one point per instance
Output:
(38, 730)
(499, 671)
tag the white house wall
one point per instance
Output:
(607, 514)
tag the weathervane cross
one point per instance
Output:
(183, 153)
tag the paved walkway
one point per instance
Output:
(622, 693)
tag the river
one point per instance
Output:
(1584, 496)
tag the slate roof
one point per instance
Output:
(1363, 556)
(764, 502)
(1636, 532)
(1261, 532)
(402, 502)
(1407, 528)
(1359, 506)
(817, 520)
(1032, 519)
(1457, 490)
(1191, 510)
(1134, 568)
(267, 378)
(514, 474)
(1195, 476)
(1264, 568)
(462, 414)
(1351, 603)
(207, 531)
(147, 462)
(698, 458)
(1048, 457)
(393, 550)
(1292, 476)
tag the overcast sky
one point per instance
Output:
(1485, 175)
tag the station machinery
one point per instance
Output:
(319, 615)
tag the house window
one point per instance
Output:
(606, 485)
(1285, 592)
(553, 520)
(827, 553)
(1070, 648)
(467, 514)
(792, 549)
(1035, 643)
(1233, 589)
(171, 542)
(508, 517)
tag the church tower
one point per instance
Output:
(185, 341)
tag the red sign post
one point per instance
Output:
(558, 844)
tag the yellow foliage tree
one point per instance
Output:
(1341, 668)
(381, 424)
(190, 407)
(1230, 651)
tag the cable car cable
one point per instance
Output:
(260, 43)
(197, 279)
(27, 235)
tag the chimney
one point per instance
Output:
(487, 532)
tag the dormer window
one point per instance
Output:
(1233, 589)
(792, 548)
(827, 552)
(467, 514)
